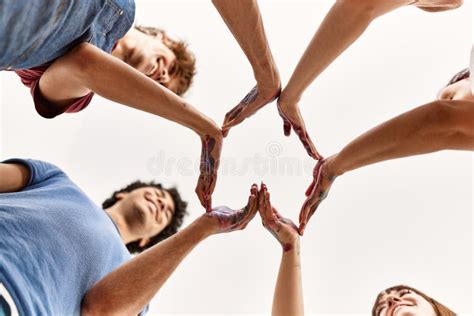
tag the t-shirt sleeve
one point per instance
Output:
(39, 170)
(31, 78)
(145, 310)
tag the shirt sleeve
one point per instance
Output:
(39, 170)
(31, 78)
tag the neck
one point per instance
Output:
(120, 222)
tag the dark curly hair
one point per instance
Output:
(171, 229)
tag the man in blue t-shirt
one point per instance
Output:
(60, 254)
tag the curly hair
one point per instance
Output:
(463, 74)
(171, 229)
(185, 60)
(439, 308)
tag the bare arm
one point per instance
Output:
(126, 290)
(244, 20)
(432, 127)
(87, 68)
(288, 296)
(13, 177)
(345, 23)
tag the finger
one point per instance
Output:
(252, 209)
(306, 141)
(209, 204)
(301, 229)
(307, 211)
(261, 205)
(225, 132)
(286, 127)
(236, 121)
(286, 121)
(310, 188)
(268, 206)
(276, 214)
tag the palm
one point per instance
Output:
(317, 191)
(230, 220)
(283, 229)
(209, 164)
(292, 119)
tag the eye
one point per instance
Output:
(404, 292)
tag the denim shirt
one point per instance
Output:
(35, 32)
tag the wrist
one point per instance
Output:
(333, 167)
(291, 247)
(208, 127)
(209, 225)
(206, 226)
(288, 97)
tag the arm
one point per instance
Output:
(13, 177)
(87, 68)
(244, 20)
(126, 290)
(429, 128)
(288, 296)
(345, 23)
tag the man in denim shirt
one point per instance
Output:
(67, 50)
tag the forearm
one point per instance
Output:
(129, 288)
(345, 22)
(113, 79)
(244, 20)
(432, 127)
(288, 297)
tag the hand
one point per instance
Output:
(283, 229)
(209, 164)
(317, 191)
(250, 104)
(292, 118)
(227, 220)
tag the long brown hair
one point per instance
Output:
(439, 308)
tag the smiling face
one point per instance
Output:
(402, 301)
(146, 211)
(151, 55)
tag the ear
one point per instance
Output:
(121, 195)
(143, 242)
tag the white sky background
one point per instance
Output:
(406, 221)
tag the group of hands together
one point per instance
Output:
(212, 142)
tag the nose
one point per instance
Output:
(163, 76)
(445, 94)
(161, 203)
(392, 299)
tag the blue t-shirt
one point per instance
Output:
(55, 243)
